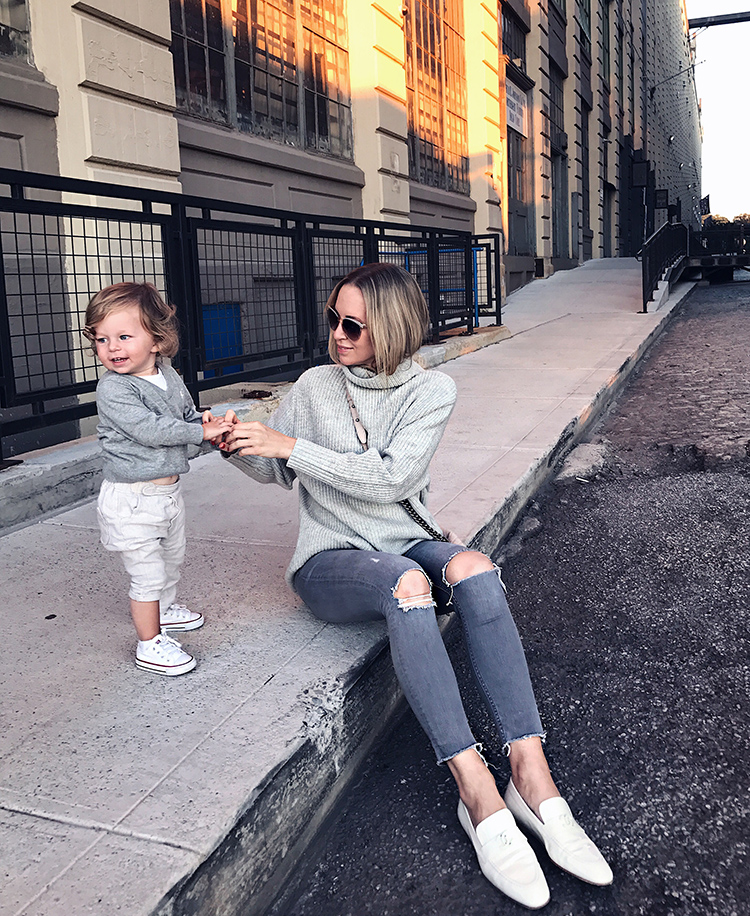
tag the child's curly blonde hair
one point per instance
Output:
(157, 317)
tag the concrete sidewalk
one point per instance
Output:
(121, 792)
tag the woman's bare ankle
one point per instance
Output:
(531, 775)
(476, 785)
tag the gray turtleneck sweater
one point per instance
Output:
(348, 497)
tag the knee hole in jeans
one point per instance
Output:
(466, 564)
(413, 590)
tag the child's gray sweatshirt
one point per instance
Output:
(348, 497)
(144, 431)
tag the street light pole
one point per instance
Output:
(720, 19)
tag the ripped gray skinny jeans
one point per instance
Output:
(355, 586)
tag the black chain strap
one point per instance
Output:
(435, 535)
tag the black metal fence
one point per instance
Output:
(249, 283)
(661, 254)
(718, 241)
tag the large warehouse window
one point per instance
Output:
(326, 77)
(606, 49)
(556, 101)
(519, 196)
(583, 14)
(281, 70)
(14, 29)
(199, 59)
(265, 66)
(436, 94)
(514, 39)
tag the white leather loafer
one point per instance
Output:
(505, 857)
(564, 839)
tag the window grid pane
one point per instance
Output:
(264, 58)
(265, 69)
(14, 29)
(326, 78)
(514, 38)
(557, 110)
(199, 58)
(436, 95)
(585, 177)
(583, 9)
(606, 61)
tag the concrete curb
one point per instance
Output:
(243, 874)
(246, 871)
(47, 483)
(433, 355)
(489, 535)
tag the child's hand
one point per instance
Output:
(214, 428)
(230, 416)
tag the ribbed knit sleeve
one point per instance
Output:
(271, 470)
(146, 432)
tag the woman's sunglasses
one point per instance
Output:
(352, 328)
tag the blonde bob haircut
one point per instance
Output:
(157, 317)
(395, 312)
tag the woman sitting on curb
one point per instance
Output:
(359, 437)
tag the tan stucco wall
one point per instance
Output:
(486, 116)
(378, 81)
(112, 67)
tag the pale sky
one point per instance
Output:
(722, 87)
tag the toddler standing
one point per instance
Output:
(147, 422)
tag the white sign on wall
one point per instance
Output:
(515, 106)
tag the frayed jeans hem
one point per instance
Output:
(476, 746)
(506, 746)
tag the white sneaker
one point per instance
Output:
(163, 655)
(177, 619)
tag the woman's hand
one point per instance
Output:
(256, 438)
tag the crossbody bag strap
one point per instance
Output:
(358, 424)
(433, 533)
(362, 436)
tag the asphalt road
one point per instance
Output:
(629, 580)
